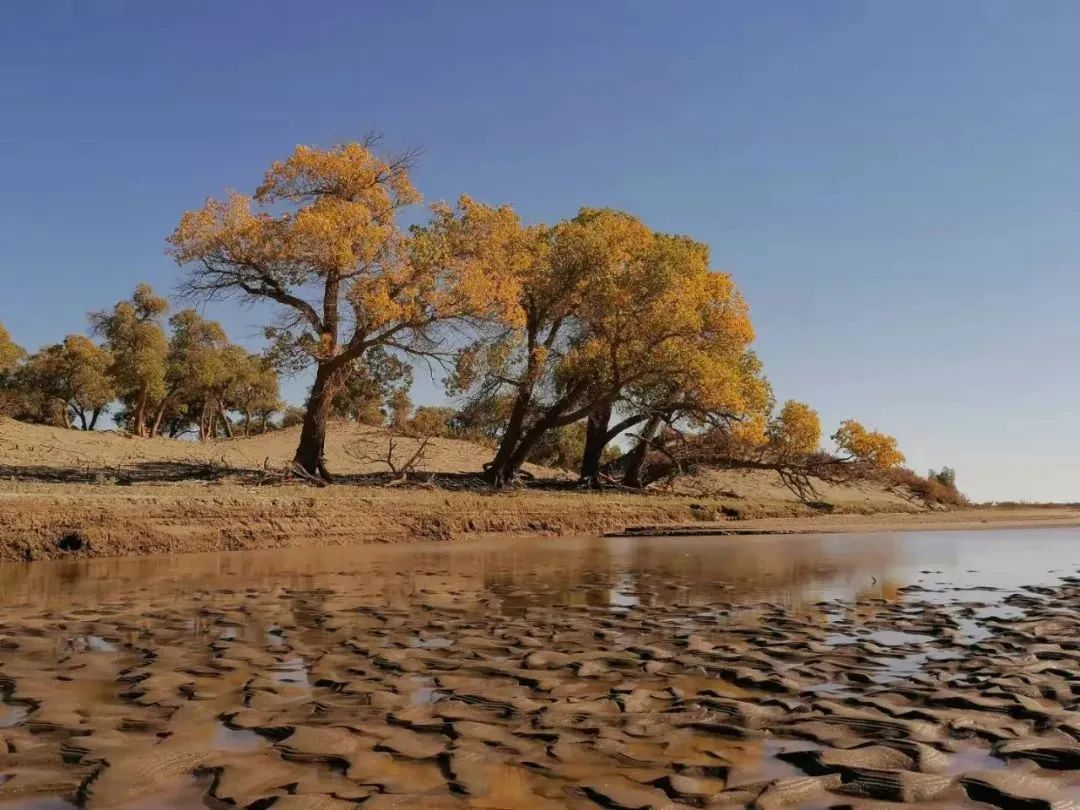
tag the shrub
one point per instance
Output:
(430, 420)
(946, 476)
(929, 489)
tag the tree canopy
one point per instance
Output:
(878, 450)
(563, 343)
(68, 381)
(795, 431)
(139, 348)
(321, 238)
(607, 313)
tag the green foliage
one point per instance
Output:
(207, 378)
(481, 419)
(134, 337)
(11, 355)
(946, 476)
(66, 382)
(368, 385)
(164, 384)
(254, 391)
(564, 447)
(931, 490)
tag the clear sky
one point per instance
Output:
(895, 186)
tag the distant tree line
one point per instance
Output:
(155, 378)
(594, 343)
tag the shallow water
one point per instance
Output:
(540, 672)
(617, 572)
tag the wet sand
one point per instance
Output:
(816, 671)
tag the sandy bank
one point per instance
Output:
(49, 521)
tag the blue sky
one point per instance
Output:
(895, 186)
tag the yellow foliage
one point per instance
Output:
(796, 430)
(751, 432)
(652, 313)
(327, 219)
(869, 446)
(486, 251)
(10, 352)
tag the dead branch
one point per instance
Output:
(400, 470)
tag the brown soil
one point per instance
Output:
(68, 493)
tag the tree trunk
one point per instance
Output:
(159, 414)
(549, 421)
(225, 422)
(94, 418)
(61, 417)
(247, 423)
(596, 439)
(310, 450)
(138, 417)
(495, 472)
(81, 413)
(636, 461)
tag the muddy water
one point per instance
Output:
(700, 672)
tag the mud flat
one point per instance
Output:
(832, 671)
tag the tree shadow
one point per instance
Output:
(175, 472)
(164, 472)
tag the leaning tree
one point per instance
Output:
(322, 240)
(605, 307)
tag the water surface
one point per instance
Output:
(795, 569)
(540, 672)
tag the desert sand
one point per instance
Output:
(67, 493)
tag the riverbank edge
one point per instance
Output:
(58, 521)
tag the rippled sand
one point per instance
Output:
(797, 672)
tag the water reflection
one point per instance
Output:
(591, 572)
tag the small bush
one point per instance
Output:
(930, 489)
(429, 420)
(946, 476)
